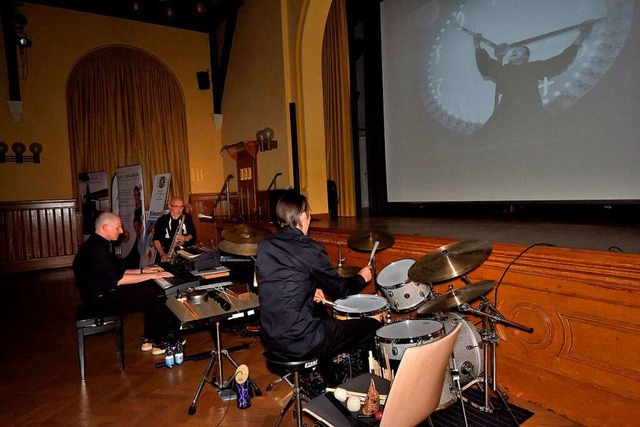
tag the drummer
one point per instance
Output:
(294, 274)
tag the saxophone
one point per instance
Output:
(171, 254)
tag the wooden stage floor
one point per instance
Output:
(612, 236)
(41, 380)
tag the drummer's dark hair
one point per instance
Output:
(289, 208)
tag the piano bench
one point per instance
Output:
(90, 322)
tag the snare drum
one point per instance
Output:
(403, 294)
(361, 305)
(467, 353)
(395, 338)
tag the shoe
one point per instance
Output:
(147, 343)
(160, 349)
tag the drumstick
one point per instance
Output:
(333, 304)
(191, 310)
(386, 361)
(383, 397)
(373, 251)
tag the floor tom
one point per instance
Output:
(395, 338)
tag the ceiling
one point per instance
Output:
(196, 15)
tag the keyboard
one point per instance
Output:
(181, 279)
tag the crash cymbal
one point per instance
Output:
(364, 240)
(456, 297)
(450, 261)
(246, 249)
(347, 271)
(245, 233)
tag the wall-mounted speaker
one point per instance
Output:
(203, 80)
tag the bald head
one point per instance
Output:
(176, 206)
(109, 226)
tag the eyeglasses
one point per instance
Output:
(177, 206)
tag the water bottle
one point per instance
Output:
(169, 358)
(179, 353)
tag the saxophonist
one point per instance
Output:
(167, 226)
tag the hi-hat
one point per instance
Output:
(245, 233)
(364, 240)
(456, 297)
(246, 249)
(347, 270)
(450, 261)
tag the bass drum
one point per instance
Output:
(468, 355)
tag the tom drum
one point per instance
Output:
(403, 294)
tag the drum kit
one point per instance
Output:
(408, 286)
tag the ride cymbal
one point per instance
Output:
(246, 249)
(450, 261)
(245, 233)
(456, 297)
(364, 240)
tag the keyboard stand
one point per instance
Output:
(225, 388)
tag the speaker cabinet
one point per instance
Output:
(203, 80)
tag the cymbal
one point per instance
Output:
(450, 261)
(245, 233)
(247, 249)
(456, 297)
(347, 271)
(364, 240)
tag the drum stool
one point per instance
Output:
(291, 368)
(89, 322)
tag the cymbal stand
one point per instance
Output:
(490, 316)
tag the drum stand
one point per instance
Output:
(490, 316)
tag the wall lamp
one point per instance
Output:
(265, 136)
(23, 42)
(19, 148)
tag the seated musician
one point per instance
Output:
(166, 226)
(294, 274)
(107, 286)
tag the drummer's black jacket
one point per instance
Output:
(290, 266)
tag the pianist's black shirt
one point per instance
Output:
(96, 269)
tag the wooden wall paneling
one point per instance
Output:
(584, 306)
(38, 234)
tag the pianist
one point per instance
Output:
(105, 284)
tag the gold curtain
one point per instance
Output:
(337, 107)
(124, 107)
